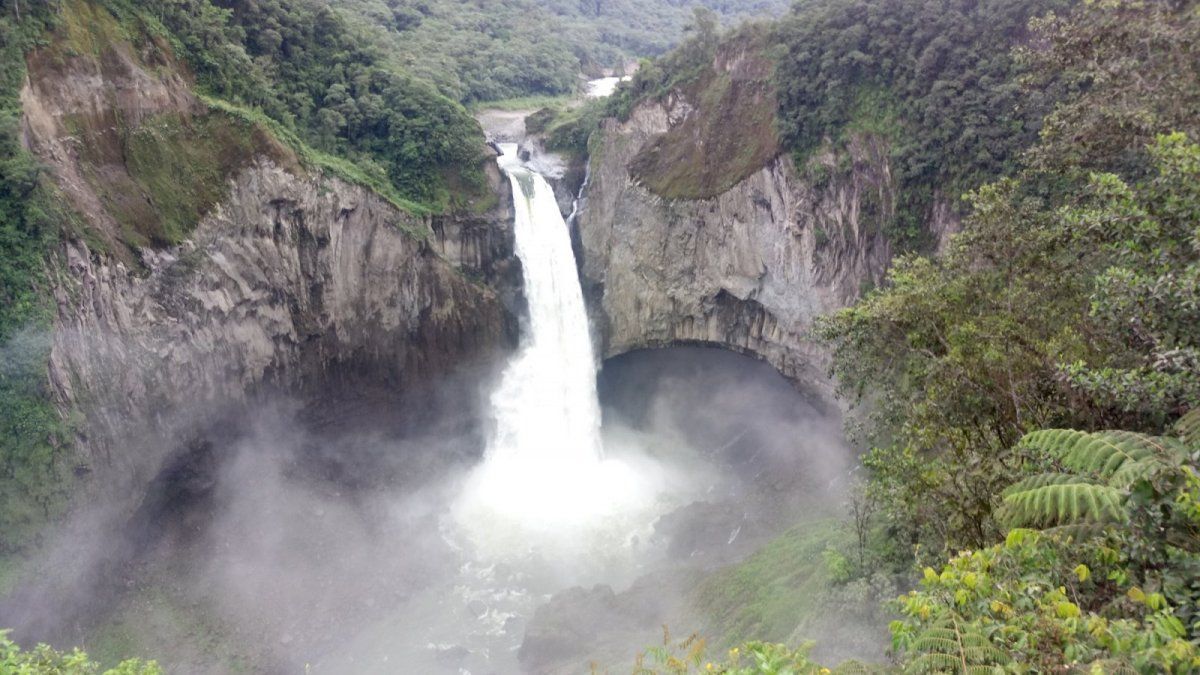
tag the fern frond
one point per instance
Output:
(985, 654)
(939, 645)
(1188, 427)
(1043, 480)
(1101, 453)
(1063, 503)
(934, 663)
(951, 646)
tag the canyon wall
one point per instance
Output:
(291, 282)
(205, 262)
(746, 251)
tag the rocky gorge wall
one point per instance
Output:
(208, 263)
(748, 268)
(292, 282)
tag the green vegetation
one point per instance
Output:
(942, 74)
(762, 597)
(182, 167)
(1037, 603)
(533, 102)
(366, 173)
(1039, 316)
(500, 49)
(1120, 599)
(42, 660)
(161, 621)
(795, 584)
(33, 479)
(304, 66)
(752, 658)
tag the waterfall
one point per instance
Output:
(544, 468)
(546, 408)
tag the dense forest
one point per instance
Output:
(303, 65)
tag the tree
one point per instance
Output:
(1146, 240)
(1112, 583)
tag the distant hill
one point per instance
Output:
(491, 49)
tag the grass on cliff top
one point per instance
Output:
(360, 171)
(364, 173)
(176, 169)
(729, 138)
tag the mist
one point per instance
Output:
(330, 532)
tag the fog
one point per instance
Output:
(323, 533)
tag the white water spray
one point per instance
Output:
(545, 469)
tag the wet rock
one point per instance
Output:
(713, 532)
(452, 655)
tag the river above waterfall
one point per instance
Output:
(604, 86)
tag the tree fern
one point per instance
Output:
(1188, 428)
(952, 646)
(1097, 472)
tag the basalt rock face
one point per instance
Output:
(208, 264)
(291, 282)
(748, 269)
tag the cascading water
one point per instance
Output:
(546, 407)
(545, 469)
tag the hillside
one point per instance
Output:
(495, 49)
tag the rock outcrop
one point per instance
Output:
(748, 269)
(291, 282)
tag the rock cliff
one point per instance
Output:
(208, 262)
(287, 282)
(747, 268)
